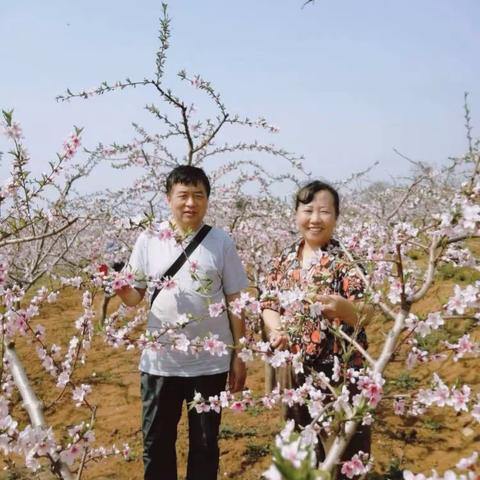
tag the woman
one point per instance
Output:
(315, 273)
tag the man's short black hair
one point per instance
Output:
(305, 194)
(187, 175)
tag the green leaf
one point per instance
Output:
(8, 116)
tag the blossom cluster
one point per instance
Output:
(459, 398)
(293, 452)
(71, 145)
(464, 299)
(359, 464)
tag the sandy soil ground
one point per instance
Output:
(436, 440)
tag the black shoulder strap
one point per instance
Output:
(182, 258)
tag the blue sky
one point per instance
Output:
(346, 81)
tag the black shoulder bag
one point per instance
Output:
(182, 258)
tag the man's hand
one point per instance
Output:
(130, 296)
(238, 370)
(336, 306)
(237, 375)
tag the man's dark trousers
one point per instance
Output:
(163, 399)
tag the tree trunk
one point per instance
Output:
(32, 404)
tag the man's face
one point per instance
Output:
(188, 204)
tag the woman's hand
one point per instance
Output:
(278, 340)
(277, 337)
(336, 306)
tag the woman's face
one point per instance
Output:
(316, 220)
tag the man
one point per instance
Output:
(169, 377)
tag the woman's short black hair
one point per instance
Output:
(305, 194)
(187, 175)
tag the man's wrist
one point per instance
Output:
(235, 351)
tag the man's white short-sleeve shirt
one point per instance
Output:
(216, 258)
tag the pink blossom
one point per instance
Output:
(441, 393)
(225, 398)
(68, 150)
(435, 320)
(71, 454)
(423, 329)
(254, 307)
(8, 424)
(262, 346)
(399, 406)
(87, 299)
(272, 473)
(337, 368)
(79, 393)
(237, 406)
(129, 277)
(75, 140)
(123, 279)
(202, 407)
(196, 81)
(246, 355)
(371, 390)
(212, 345)
(408, 475)
(463, 347)
(463, 299)
(355, 466)
(194, 266)
(459, 398)
(216, 309)
(297, 363)
(316, 309)
(350, 469)
(52, 297)
(471, 216)
(180, 343)
(214, 403)
(411, 322)
(279, 358)
(5, 443)
(126, 451)
(395, 291)
(169, 284)
(293, 453)
(118, 284)
(466, 463)
(291, 299)
(237, 306)
(166, 234)
(14, 131)
(63, 379)
(8, 189)
(367, 419)
(39, 331)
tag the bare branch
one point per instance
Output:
(349, 339)
(403, 199)
(32, 238)
(383, 306)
